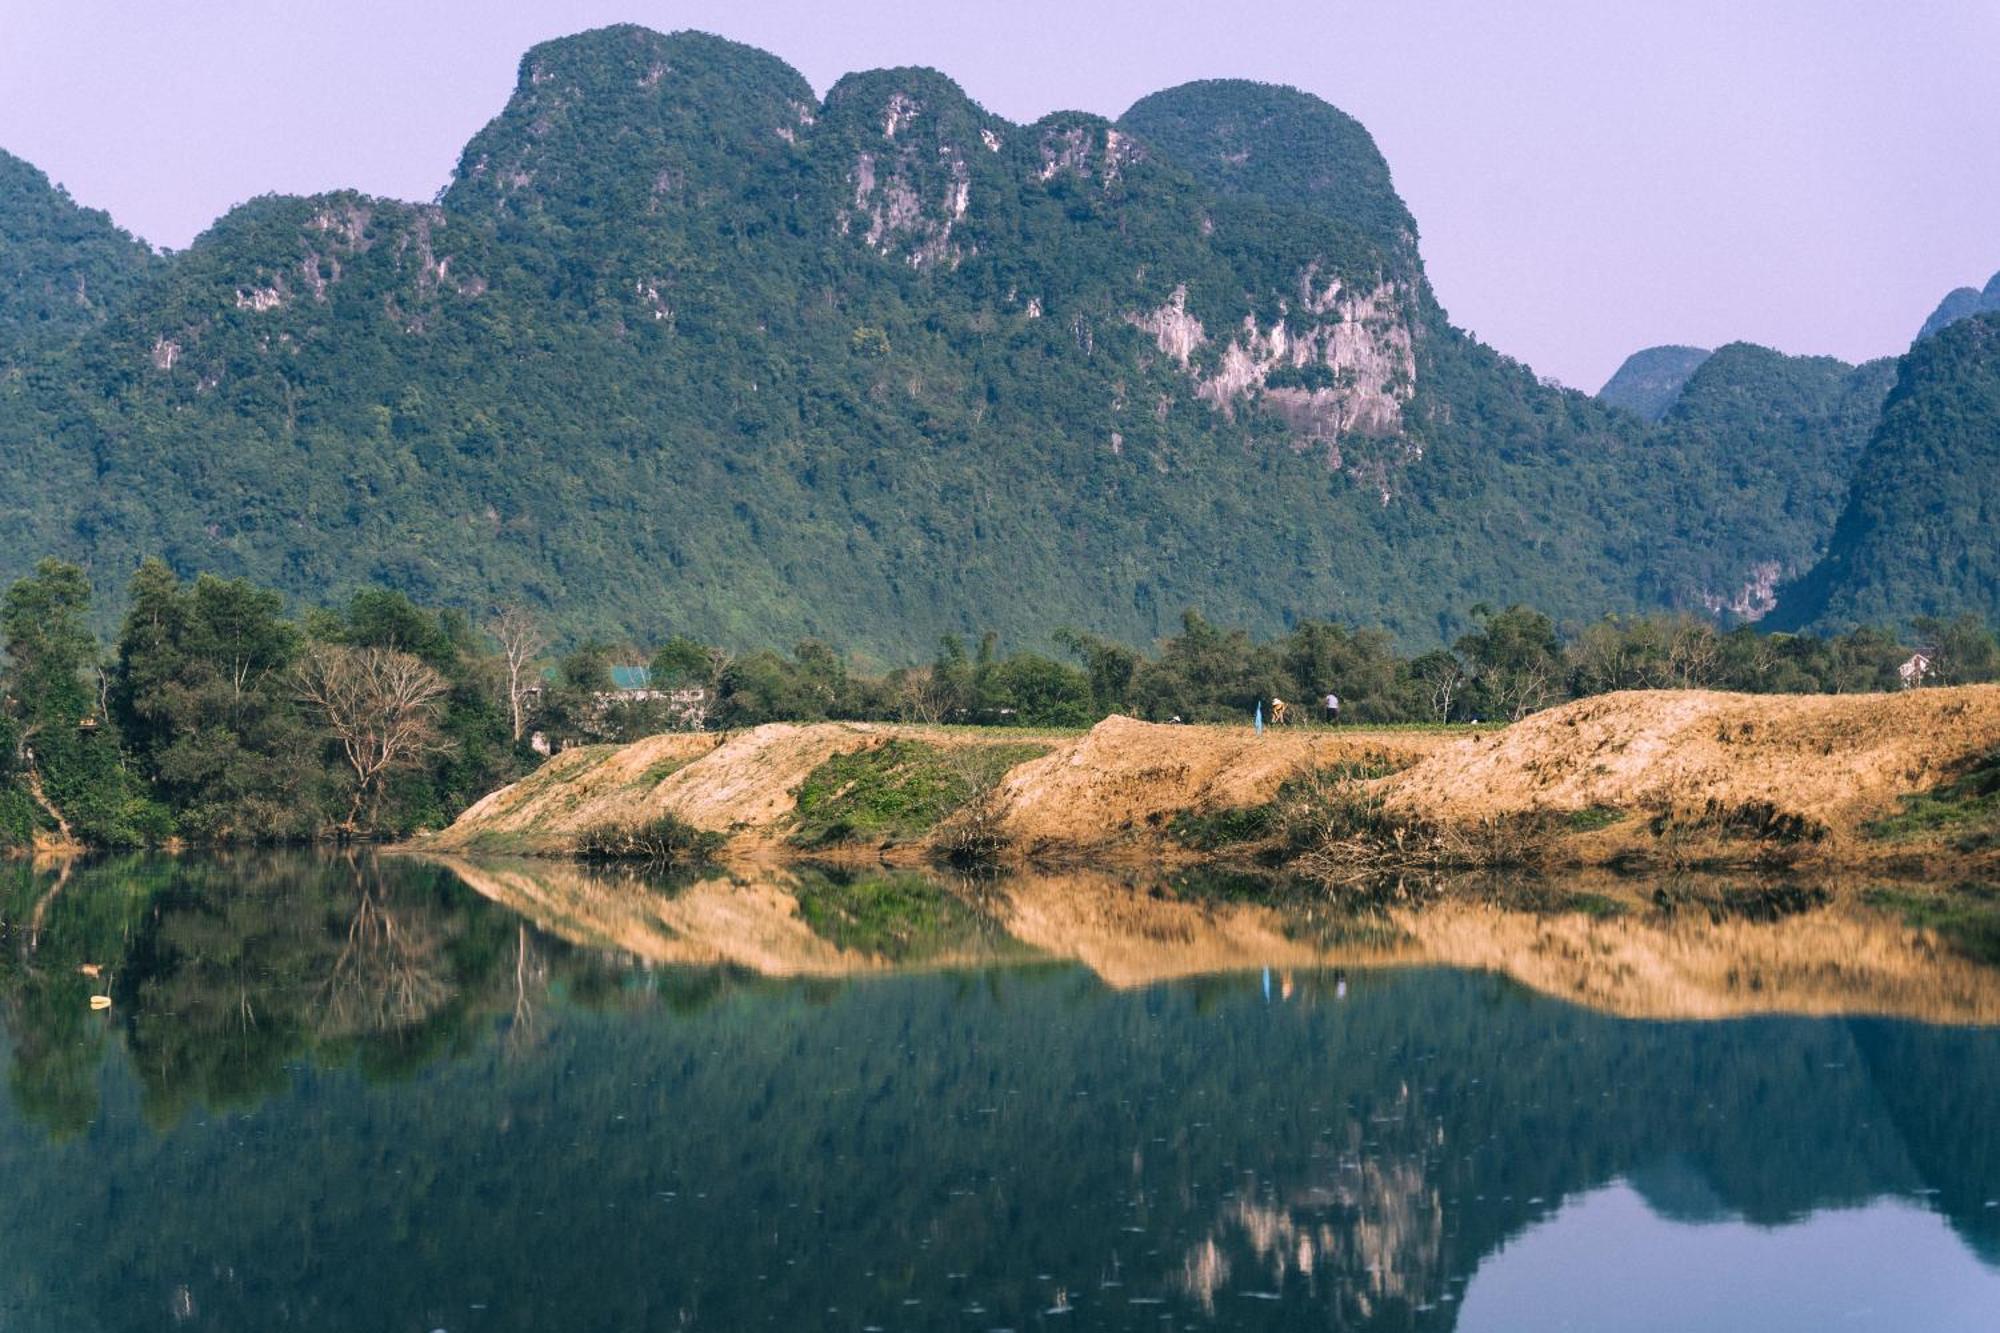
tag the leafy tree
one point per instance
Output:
(1516, 661)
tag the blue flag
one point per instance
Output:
(1260, 717)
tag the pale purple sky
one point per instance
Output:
(1591, 176)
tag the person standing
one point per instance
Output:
(1332, 709)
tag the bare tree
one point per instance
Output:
(1446, 677)
(381, 705)
(921, 697)
(521, 642)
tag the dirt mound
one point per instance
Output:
(1125, 779)
(1797, 767)
(1832, 759)
(575, 790)
(745, 784)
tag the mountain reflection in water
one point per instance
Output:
(348, 1093)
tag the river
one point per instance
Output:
(357, 1093)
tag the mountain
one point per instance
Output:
(683, 348)
(1776, 438)
(1649, 381)
(1963, 303)
(1916, 535)
(63, 267)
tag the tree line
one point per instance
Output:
(1515, 661)
(215, 717)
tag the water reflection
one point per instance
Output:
(337, 1094)
(1687, 948)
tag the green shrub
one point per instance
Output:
(664, 840)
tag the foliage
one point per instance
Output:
(63, 269)
(1915, 537)
(649, 368)
(898, 790)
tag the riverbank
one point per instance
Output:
(1637, 780)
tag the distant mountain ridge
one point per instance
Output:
(1649, 381)
(1963, 303)
(684, 348)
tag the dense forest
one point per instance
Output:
(216, 717)
(1917, 534)
(685, 349)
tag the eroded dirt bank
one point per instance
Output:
(1646, 775)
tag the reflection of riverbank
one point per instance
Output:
(1308, 1148)
(1824, 954)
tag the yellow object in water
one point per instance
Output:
(100, 1001)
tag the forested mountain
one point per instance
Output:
(1962, 303)
(683, 347)
(63, 268)
(1917, 534)
(1650, 380)
(1778, 436)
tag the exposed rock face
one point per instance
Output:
(310, 251)
(1344, 360)
(910, 139)
(1757, 598)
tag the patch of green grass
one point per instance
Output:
(897, 791)
(1209, 830)
(1592, 817)
(1966, 810)
(660, 772)
(1966, 915)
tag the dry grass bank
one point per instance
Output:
(1679, 776)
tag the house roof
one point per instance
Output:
(631, 678)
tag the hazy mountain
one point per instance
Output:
(1962, 303)
(1649, 381)
(684, 347)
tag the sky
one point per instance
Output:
(1590, 176)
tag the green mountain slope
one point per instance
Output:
(683, 348)
(1917, 534)
(62, 267)
(1770, 442)
(1649, 381)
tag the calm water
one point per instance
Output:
(349, 1096)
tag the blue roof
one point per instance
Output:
(631, 678)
